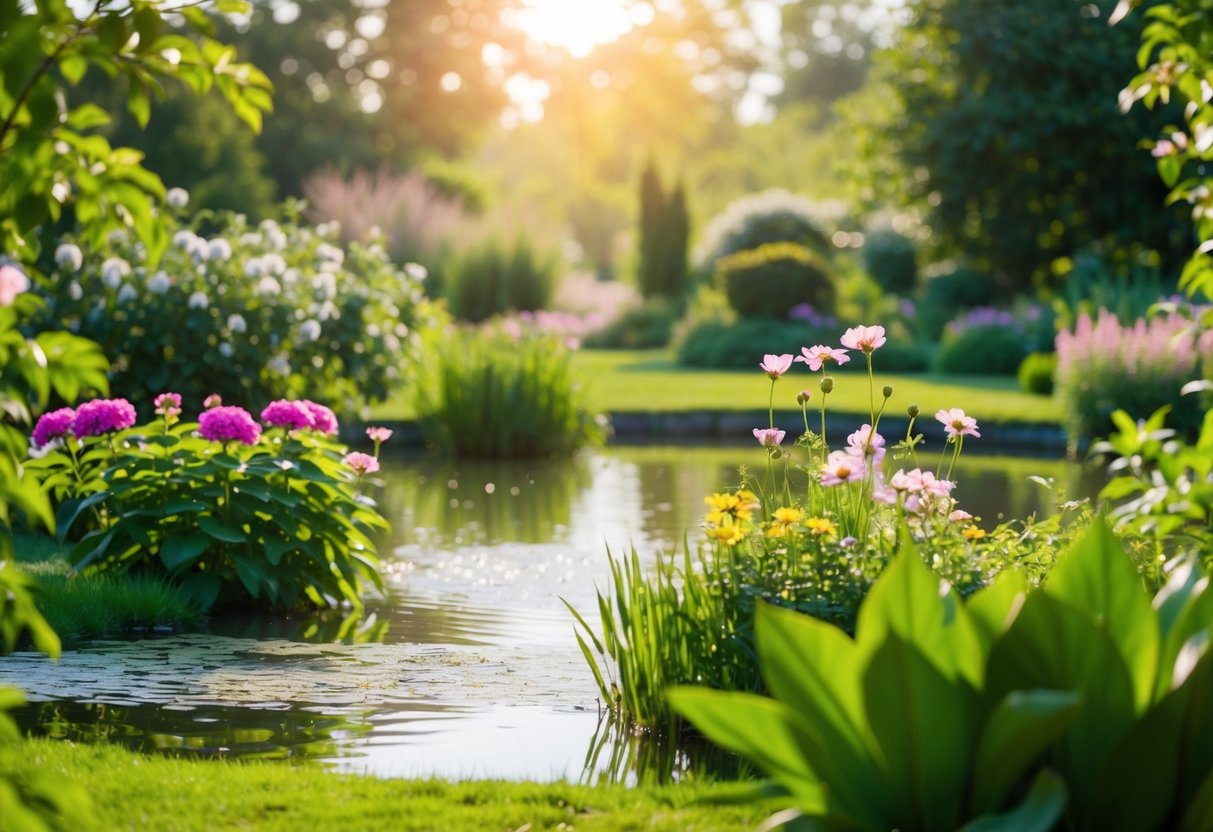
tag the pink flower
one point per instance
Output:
(769, 437)
(287, 414)
(323, 419)
(102, 416)
(52, 426)
(903, 482)
(865, 338)
(379, 434)
(168, 405)
(12, 283)
(818, 355)
(228, 424)
(362, 463)
(213, 400)
(957, 424)
(960, 516)
(841, 467)
(776, 365)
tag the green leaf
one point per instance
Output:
(1097, 576)
(1039, 812)
(177, 551)
(220, 531)
(1016, 733)
(1184, 607)
(203, 587)
(993, 608)
(926, 726)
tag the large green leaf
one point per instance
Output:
(1096, 576)
(1039, 811)
(913, 603)
(1195, 746)
(1055, 646)
(1016, 733)
(1185, 610)
(181, 550)
(1198, 817)
(926, 726)
(220, 530)
(993, 608)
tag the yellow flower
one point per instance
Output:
(821, 526)
(973, 533)
(783, 522)
(738, 507)
(728, 534)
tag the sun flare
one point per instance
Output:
(580, 25)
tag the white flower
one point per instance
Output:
(327, 311)
(268, 286)
(74, 291)
(113, 270)
(280, 365)
(416, 271)
(127, 293)
(236, 323)
(275, 238)
(225, 349)
(331, 253)
(177, 197)
(69, 257)
(184, 239)
(253, 267)
(309, 330)
(198, 300)
(273, 263)
(326, 284)
(159, 283)
(219, 249)
(50, 447)
(290, 276)
(250, 238)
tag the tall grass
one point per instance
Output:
(487, 394)
(498, 276)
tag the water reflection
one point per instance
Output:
(471, 668)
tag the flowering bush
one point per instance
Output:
(772, 216)
(1104, 366)
(233, 509)
(254, 312)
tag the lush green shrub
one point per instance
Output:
(254, 313)
(773, 216)
(488, 393)
(1037, 373)
(741, 345)
(641, 327)
(1092, 284)
(767, 281)
(232, 515)
(941, 712)
(496, 277)
(906, 357)
(946, 295)
(891, 259)
(1104, 366)
(993, 350)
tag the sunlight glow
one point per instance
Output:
(579, 25)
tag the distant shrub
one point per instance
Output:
(773, 216)
(485, 393)
(891, 259)
(743, 344)
(906, 357)
(770, 280)
(1094, 284)
(990, 349)
(1038, 372)
(497, 276)
(1104, 366)
(665, 230)
(948, 294)
(641, 327)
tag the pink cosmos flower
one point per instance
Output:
(12, 283)
(213, 400)
(840, 468)
(957, 424)
(362, 463)
(52, 426)
(323, 419)
(287, 414)
(960, 516)
(769, 437)
(379, 434)
(904, 483)
(168, 405)
(101, 416)
(865, 338)
(818, 355)
(228, 424)
(776, 365)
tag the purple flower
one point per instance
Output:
(52, 426)
(227, 424)
(323, 419)
(102, 416)
(287, 414)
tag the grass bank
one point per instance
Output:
(132, 791)
(622, 381)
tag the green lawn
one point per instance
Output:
(130, 791)
(649, 380)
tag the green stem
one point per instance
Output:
(871, 391)
(771, 407)
(960, 440)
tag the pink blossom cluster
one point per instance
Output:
(571, 328)
(101, 416)
(1158, 348)
(863, 455)
(922, 491)
(53, 425)
(228, 424)
(168, 405)
(299, 415)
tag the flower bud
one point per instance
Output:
(913, 411)
(802, 398)
(827, 384)
(888, 391)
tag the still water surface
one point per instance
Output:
(472, 670)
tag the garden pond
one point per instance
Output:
(473, 669)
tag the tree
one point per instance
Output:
(50, 152)
(998, 122)
(664, 235)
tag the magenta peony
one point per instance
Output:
(52, 426)
(323, 419)
(101, 416)
(287, 414)
(227, 424)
